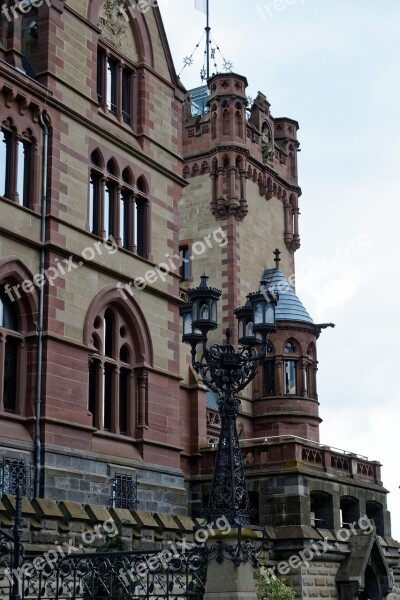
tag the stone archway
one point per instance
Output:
(364, 575)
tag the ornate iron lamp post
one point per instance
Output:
(227, 371)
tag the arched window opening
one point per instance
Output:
(5, 164)
(374, 512)
(321, 510)
(112, 390)
(349, 512)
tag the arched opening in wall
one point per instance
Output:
(372, 589)
(374, 512)
(112, 390)
(321, 510)
(349, 511)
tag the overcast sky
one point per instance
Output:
(333, 66)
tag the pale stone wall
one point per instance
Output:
(317, 580)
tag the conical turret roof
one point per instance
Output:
(289, 307)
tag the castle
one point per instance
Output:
(118, 190)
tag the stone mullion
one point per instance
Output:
(303, 389)
(142, 399)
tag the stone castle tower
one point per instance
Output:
(241, 166)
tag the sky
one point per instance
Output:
(332, 66)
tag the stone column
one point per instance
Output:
(225, 580)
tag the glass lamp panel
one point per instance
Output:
(249, 329)
(204, 312)
(258, 313)
(270, 314)
(187, 324)
(213, 310)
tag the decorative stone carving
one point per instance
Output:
(113, 23)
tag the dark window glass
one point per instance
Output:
(108, 390)
(108, 333)
(10, 374)
(109, 206)
(94, 204)
(184, 267)
(124, 218)
(140, 224)
(269, 377)
(100, 75)
(127, 96)
(123, 400)
(93, 390)
(5, 164)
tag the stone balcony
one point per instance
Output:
(288, 452)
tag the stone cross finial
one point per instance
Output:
(277, 253)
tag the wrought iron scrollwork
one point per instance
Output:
(224, 369)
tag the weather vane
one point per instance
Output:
(211, 47)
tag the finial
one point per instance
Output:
(277, 253)
(228, 334)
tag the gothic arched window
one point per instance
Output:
(111, 385)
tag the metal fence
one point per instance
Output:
(149, 575)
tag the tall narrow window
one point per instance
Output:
(289, 373)
(124, 218)
(141, 219)
(94, 204)
(112, 85)
(184, 266)
(123, 400)
(24, 172)
(269, 378)
(108, 333)
(5, 164)
(108, 396)
(100, 75)
(9, 322)
(109, 209)
(127, 96)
